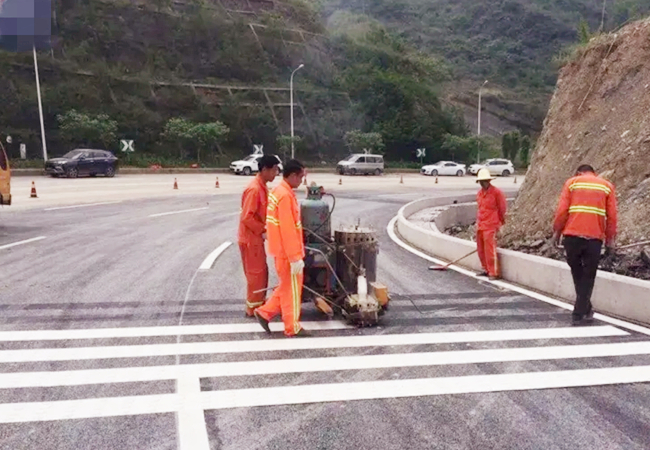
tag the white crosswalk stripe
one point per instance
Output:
(238, 350)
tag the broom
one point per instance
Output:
(446, 266)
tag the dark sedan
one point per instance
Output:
(82, 162)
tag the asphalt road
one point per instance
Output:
(112, 337)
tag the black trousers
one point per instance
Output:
(583, 256)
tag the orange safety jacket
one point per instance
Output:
(587, 208)
(284, 228)
(492, 206)
(252, 222)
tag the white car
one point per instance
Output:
(248, 165)
(444, 168)
(496, 167)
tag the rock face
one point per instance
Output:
(599, 115)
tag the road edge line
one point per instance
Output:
(209, 261)
(26, 241)
(390, 229)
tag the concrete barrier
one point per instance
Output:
(616, 295)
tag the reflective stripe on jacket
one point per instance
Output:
(492, 206)
(587, 208)
(284, 228)
(252, 222)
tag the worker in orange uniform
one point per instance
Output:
(286, 244)
(491, 216)
(586, 216)
(252, 229)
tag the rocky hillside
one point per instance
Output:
(599, 115)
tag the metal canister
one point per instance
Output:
(356, 254)
(315, 216)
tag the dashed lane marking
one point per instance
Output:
(86, 205)
(178, 212)
(26, 241)
(208, 262)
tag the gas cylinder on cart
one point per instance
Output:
(317, 234)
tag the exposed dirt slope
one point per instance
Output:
(599, 115)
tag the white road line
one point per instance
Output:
(321, 393)
(186, 372)
(560, 304)
(178, 212)
(81, 206)
(203, 348)
(192, 432)
(371, 390)
(26, 241)
(185, 330)
(212, 257)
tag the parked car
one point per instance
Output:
(496, 166)
(248, 165)
(444, 168)
(361, 164)
(5, 178)
(80, 162)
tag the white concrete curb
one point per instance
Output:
(624, 297)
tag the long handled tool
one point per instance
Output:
(637, 244)
(446, 266)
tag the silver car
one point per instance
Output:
(361, 164)
(496, 166)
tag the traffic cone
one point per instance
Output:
(401, 179)
(436, 179)
(340, 181)
(515, 180)
(305, 181)
(175, 184)
(33, 193)
(217, 183)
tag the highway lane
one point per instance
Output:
(116, 268)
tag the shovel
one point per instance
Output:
(446, 266)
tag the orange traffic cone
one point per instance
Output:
(33, 193)
(436, 179)
(340, 181)
(515, 180)
(217, 183)
(175, 184)
(401, 179)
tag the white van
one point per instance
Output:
(361, 164)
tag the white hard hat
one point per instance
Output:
(484, 175)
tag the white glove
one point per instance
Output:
(297, 266)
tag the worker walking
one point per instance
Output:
(286, 245)
(586, 216)
(491, 216)
(251, 234)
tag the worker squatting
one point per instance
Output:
(586, 218)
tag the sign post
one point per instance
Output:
(23, 151)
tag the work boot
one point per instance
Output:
(589, 317)
(483, 274)
(302, 333)
(262, 321)
(494, 277)
(577, 319)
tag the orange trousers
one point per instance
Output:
(253, 257)
(286, 298)
(486, 243)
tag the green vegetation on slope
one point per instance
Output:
(134, 63)
(510, 42)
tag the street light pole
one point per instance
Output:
(480, 93)
(291, 94)
(40, 104)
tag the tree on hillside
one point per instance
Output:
(515, 141)
(358, 141)
(88, 130)
(284, 144)
(506, 143)
(199, 136)
(464, 149)
(584, 35)
(525, 150)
